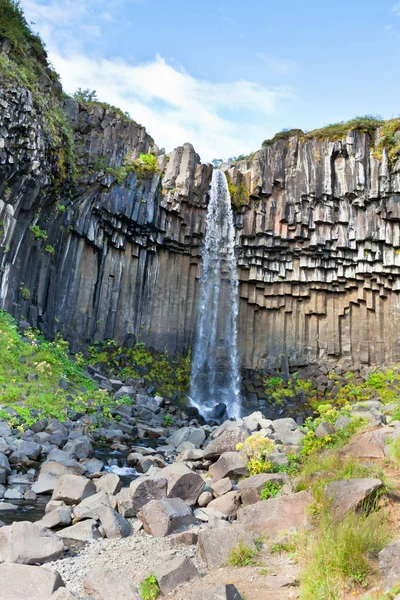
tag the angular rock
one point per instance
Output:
(324, 429)
(172, 573)
(162, 517)
(63, 594)
(29, 544)
(221, 487)
(229, 464)
(215, 545)
(226, 442)
(114, 525)
(90, 507)
(107, 584)
(218, 592)
(25, 582)
(72, 489)
(271, 517)
(370, 444)
(186, 538)
(183, 483)
(140, 492)
(389, 565)
(109, 483)
(50, 473)
(251, 487)
(286, 431)
(84, 531)
(79, 447)
(59, 517)
(351, 494)
(228, 504)
(31, 449)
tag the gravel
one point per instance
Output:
(135, 556)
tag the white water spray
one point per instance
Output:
(215, 363)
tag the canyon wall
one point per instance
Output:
(112, 253)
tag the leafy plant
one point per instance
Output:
(85, 95)
(149, 588)
(40, 234)
(168, 420)
(242, 555)
(50, 249)
(257, 449)
(270, 490)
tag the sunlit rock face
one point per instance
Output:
(317, 239)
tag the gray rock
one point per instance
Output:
(80, 447)
(218, 592)
(204, 499)
(84, 531)
(92, 465)
(59, 517)
(72, 489)
(107, 584)
(172, 573)
(227, 441)
(286, 431)
(221, 487)
(114, 525)
(90, 507)
(251, 487)
(29, 544)
(389, 565)
(162, 517)
(140, 492)
(31, 449)
(183, 483)
(186, 538)
(215, 545)
(229, 464)
(228, 504)
(63, 594)
(4, 463)
(271, 517)
(50, 473)
(342, 422)
(351, 494)
(108, 483)
(25, 582)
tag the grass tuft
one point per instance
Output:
(243, 555)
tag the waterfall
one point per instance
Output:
(215, 362)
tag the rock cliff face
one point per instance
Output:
(118, 251)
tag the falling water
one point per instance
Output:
(215, 364)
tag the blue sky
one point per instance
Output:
(226, 75)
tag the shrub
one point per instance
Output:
(149, 589)
(270, 490)
(257, 449)
(40, 234)
(85, 95)
(242, 555)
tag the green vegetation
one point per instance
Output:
(338, 554)
(270, 490)
(284, 134)
(25, 292)
(169, 375)
(281, 547)
(40, 234)
(30, 374)
(337, 131)
(89, 97)
(149, 589)
(243, 555)
(257, 450)
(50, 249)
(168, 420)
(238, 193)
(144, 165)
(277, 390)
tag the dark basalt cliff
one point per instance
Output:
(115, 251)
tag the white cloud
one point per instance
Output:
(220, 119)
(276, 64)
(396, 9)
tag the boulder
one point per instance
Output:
(172, 573)
(25, 582)
(271, 517)
(370, 444)
(51, 471)
(59, 517)
(218, 592)
(162, 517)
(79, 447)
(389, 565)
(108, 483)
(186, 538)
(228, 504)
(251, 487)
(107, 584)
(226, 441)
(324, 429)
(114, 525)
(183, 482)
(187, 434)
(90, 507)
(63, 594)
(72, 489)
(84, 531)
(29, 544)
(215, 545)
(140, 492)
(31, 449)
(229, 464)
(351, 494)
(221, 487)
(287, 432)
(204, 499)
(92, 465)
